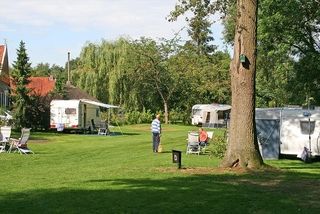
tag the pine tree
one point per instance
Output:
(20, 95)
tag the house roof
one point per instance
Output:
(41, 86)
(2, 53)
(4, 66)
(72, 92)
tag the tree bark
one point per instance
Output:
(166, 113)
(242, 148)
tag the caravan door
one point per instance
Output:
(59, 114)
(268, 134)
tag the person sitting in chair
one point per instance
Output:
(203, 137)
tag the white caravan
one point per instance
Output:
(214, 115)
(75, 114)
(287, 131)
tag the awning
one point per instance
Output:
(98, 103)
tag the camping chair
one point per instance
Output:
(193, 146)
(5, 132)
(103, 129)
(20, 144)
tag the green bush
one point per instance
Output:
(219, 146)
(136, 117)
(132, 117)
(179, 116)
(145, 116)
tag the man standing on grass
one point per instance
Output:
(156, 131)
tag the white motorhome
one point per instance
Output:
(214, 115)
(75, 114)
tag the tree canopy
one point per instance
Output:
(154, 75)
(288, 51)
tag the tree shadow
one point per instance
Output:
(253, 192)
(123, 133)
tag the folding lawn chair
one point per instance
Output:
(193, 146)
(20, 144)
(5, 132)
(103, 129)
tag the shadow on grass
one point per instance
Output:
(268, 192)
(123, 133)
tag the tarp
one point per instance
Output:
(98, 103)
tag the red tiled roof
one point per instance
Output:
(41, 86)
(2, 54)
(4, 66)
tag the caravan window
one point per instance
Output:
(70, 111)
(221, 115)
(307, 127)
(196, 112)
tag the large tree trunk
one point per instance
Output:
(242, 147)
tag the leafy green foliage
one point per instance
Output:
(289, 35)
(288, 51)
(137, 117)
(41, 70)
(145, 74)
(179, 116)
(199, 26)
(39, 112)
(218, 146)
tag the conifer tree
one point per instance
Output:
(20, 95)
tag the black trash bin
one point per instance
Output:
(176, 157)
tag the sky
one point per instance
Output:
(52, 28)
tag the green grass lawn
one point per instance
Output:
(120, 174)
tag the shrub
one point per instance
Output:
(135, 117)
(132, 117)
(219, 146)
(146, 116)
(179, 116)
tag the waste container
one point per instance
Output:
(176, 157)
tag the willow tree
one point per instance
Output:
(242, 147)
(98, 70)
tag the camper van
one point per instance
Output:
(75, 114)
(210, 115)
(288, 131)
